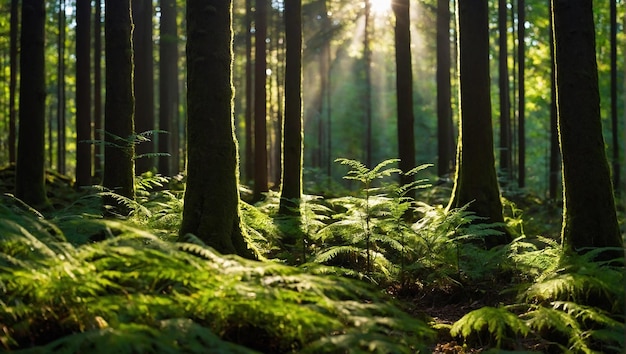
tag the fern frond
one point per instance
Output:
(499, 322)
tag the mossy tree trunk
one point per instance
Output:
(30, 170)
(211, 210)
(291, 191)
(505, 97)
(119, 171)
(589, 217)
(476, 181)
(404, 90)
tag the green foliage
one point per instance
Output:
(499, 322)
(572, 304)
(135, 292)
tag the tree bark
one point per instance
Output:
(249, 135)
(168, 89)
(144, 81)
(293, 134)
(589, 218)
(97, 92)
(503, 84)
(83, 94)
(13, 77)
(211, 210)
(119, 172)
(476, 182)
(555, 154)
(404, 91)
(445, 133)
(521, 106)
(614, 120)
(61, 126)
(30, 170)
(260, 104)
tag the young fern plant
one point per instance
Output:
(367, 177)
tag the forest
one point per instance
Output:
(312, 176)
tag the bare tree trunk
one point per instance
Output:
(248, 155)
(30, 168)
(97, 92)
(521, 132)
(260, 102)
(168, 89)
(61, 90)
(13, 77)
(503, 83)
(144, 81)
(119, 171)
(83, 93)
(445, 133)
(404, 90)
(614, 120)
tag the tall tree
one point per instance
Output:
(61, 126)
(83, 93)
(503, 84)
(476, 181)
(555, 154)
(291, 191)
(249, 134)
(97, 91)
(13, 77)
(614, 120)
(404, 89)
(211, 210)
(589, 218)
(521, 82)
(168, 89)
(445, 143)
(367, 93)
(119, 171)
(144, 80)
(260, 102)
(30, 171)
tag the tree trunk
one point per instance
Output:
(367, 95)
(260, 104)
(521, 106)
(211, 210)
(30, 171)
(97, 92)
(119, 173)
(83, 93)
(404, 90)
(503, 84)
(614, 120)
(293, 134)
(555, 155)
(249, 157)
(144, 81)
(13, 77)
(445, 133)
(476, 182)
(589, 207)
(168, 89)
(61, 129)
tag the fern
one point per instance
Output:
(499, 322)
(130, 287)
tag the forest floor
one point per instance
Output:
(444, 304)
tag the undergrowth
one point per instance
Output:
(72, 281)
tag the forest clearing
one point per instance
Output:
(312, 176)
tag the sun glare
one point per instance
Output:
(380, 7)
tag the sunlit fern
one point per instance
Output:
(129, 287)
